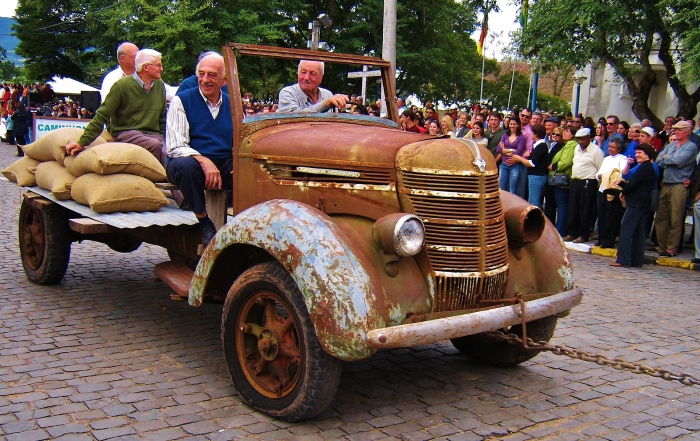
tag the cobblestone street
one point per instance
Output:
(106, 354)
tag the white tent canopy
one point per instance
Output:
(69, 86)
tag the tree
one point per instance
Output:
(621, 33)
(436, 57)
(8, 70)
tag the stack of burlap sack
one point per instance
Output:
(107, 176)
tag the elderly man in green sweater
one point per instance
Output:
(134, 109)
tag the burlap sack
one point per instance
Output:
(52, 146)
(117, 193)
(106, 136)
(116, 157)
(21, 172)
(54, 177)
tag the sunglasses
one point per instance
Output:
(555, 134)
(610, 124)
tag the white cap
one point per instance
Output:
(453, 106)
(649, 131)
(583, 132)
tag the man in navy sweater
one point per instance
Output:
(199, 137)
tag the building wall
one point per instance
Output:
(602, 94)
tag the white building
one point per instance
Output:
(603, 94)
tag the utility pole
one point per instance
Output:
(389, 43)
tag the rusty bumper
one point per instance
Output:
(473, 323)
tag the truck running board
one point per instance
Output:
(176, 274)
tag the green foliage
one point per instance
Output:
(621, 33)
(556, 104)
(436, 58)
(8, 70)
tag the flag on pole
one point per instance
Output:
(482, 37)
(523, 14)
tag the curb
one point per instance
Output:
(648, 259)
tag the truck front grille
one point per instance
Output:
(465, 234)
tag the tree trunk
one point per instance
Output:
(639, 92)
(687, 103)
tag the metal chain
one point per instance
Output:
(617, 363)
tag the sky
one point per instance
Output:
(500, 25)
(7, 8)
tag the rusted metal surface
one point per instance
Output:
(542, 266)
(524, 223)
(268, 345)
(258, 122)
(176, 274)
(455, 191)
(337, 285)
(470, 324)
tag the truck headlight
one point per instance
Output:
(399, 233)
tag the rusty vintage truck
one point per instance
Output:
(347, 236)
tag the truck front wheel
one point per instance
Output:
(487, 349)
(44, 243)
(273, 355)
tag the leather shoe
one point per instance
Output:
(669, 253)
(567, 238)
(579, 240)
(617, 265)
(695, 260)
(208, 233)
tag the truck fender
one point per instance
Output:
(540, 267)
(333, 278)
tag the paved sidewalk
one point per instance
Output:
(682, 260)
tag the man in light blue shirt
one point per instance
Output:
(306, 95)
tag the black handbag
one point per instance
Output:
(558, 180)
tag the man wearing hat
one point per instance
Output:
(678, 162)
(584, 187)
(550, 124)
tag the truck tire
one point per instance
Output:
(273, 354)
(486, 349)
(44, 243)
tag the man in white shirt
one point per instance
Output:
(126, 57)
(584, 187)
(306, 95)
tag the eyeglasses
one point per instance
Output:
(157, 66)
(610, 124)
(555, 134)
(526, 116)
(635, 131)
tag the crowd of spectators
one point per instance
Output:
(580, 171)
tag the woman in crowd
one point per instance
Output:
(512, 143)
(636, 193)
(589, 124)
(433, 127)
(447, 127)
(600, 134)
(562, 163)
(477, 134)
(609, 204)
(537, 165)
(555, 144)
(622, 128)
(632, 139)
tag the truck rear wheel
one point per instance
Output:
(44, 243)
(487, 349)
(273, 355)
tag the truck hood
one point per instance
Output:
(333, 142)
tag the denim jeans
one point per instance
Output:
(509, 176)
(536, 187)
(561, 197)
